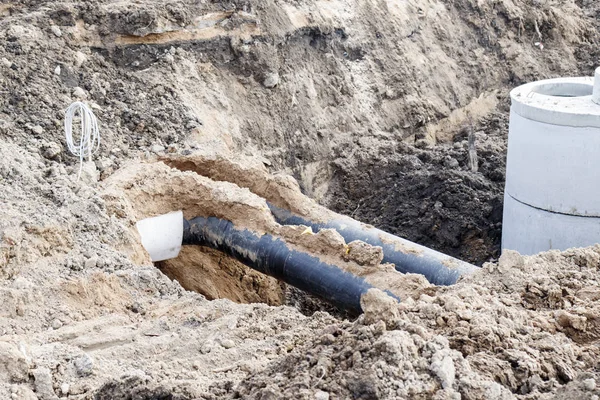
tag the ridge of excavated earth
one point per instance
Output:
(215, 108)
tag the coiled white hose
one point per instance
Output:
(89, 139)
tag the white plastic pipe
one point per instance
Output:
(552, 193)
(162, 235)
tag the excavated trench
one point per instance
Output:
(202, 184)
(427, 195)
(453, 211)
(214, 185)
(431, 195)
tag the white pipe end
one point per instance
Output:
(162, 235)
(596, 93)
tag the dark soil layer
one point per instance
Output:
(431, 196)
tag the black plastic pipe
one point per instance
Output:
(408, 257)
(272, 256)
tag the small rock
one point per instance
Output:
(38, 130)
(104, 164)
(22, 283)
(451, 162)
(327, 339)
(169, 58)
(84, 365)
(271, 392)
(423, 144)
(137, 308)
(378, 306)
(91, 263)
(64, 389)
(320, 395)
(535, 382)
(248, 367)
(227, 343)
(362, 253)
(206, 348)
(56, 30)
(589, 384)
(157, 148)
(89, 173)
(51, 150)
(22, 392)
(568, 320)
(79, 93)
(43, 383)
(80, 59)
(96, 106)
(57, 70)
(78, 388)
(13, 364)
(56, 323)
(271, 80)
(4, 126)
(443, 368)
(136, 373)
(266, 161)
(88, 253)
(16, 31)
(510, 259)
(75, 263)
(5, 62)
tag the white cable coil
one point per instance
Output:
(89, 139)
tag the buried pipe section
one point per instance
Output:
(552, 169)
(408, 257)
(263, 253)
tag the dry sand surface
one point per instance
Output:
(392, 112)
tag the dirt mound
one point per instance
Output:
(523, 327)
(370, 362)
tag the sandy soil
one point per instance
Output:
(392, 112)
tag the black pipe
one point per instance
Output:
(408, 257)
(273, 257)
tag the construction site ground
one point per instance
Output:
(392, 112)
